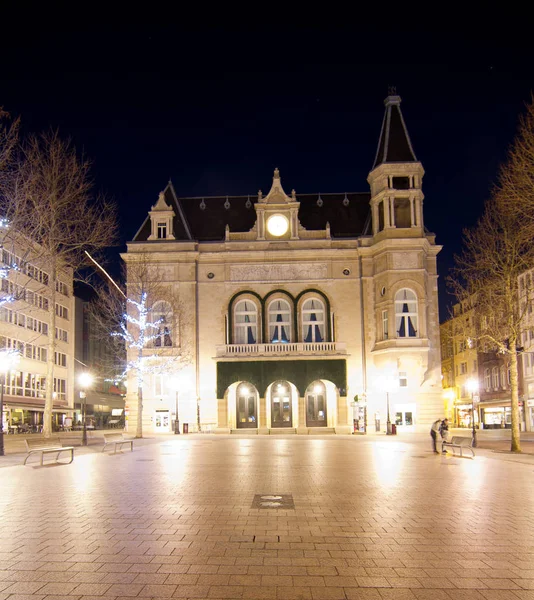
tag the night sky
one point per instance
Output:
(216, 111)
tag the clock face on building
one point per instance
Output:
(277, 225)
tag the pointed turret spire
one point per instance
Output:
(394, 145)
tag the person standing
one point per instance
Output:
(434, 434)
(444, 431)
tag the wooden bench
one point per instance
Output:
(48, 446)
(116, 439)
(461, 443)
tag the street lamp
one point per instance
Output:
(175, 385)
(8, 359)
(85, 380)
(472, 386)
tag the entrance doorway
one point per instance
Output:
(162, 421)
(316, 405)
(281, 409)
(405, 416)
(246, 406)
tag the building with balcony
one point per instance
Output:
(299, 312)
(29, 311)
(463, 360)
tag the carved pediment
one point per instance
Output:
(161, 204)
(277, 194)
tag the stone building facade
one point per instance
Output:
(303, 313)
(25, 324)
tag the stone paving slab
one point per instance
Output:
(374, 517)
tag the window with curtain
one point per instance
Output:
(162, 315)
(313, 321)
(406, 313)
(503, 377)
(487, 380)
(246, 322)
(495, 377)
(279, 322)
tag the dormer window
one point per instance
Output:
(162, 231)
(161, 218)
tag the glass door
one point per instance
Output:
(162, 421)
(281, 410)
(316, 405)
(246, 417)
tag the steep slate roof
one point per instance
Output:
(347, 219)
(394, 144)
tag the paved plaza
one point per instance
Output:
(259, 517)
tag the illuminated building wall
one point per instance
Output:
(291, 304)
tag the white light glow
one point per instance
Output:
(85, 380)
(8, 359)
(472, 385)
(277, 225)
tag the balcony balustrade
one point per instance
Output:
(287, 349)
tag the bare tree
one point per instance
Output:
(9, 136)
(146, 319)
(515, 184)
(51, 212)
(496, 252)
(485, 280)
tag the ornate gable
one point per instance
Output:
(161, 220)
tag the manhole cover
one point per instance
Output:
(284, 501)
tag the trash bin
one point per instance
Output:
(186, 427)
(393, 429)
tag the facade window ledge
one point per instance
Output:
(401, 344)
(289, 349)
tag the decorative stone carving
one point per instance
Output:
(381, 264)
(278, 272)
(405, 260)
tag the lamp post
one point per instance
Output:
(8, 358)
(388, 420)
(472, 386)
(85, 380)
(389, 384)
(175, 384)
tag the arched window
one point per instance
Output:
(162, 318)
(313, 321)
(487, 379)
(279, 322)
(406, 313)
(246, 322)
(495, 377)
